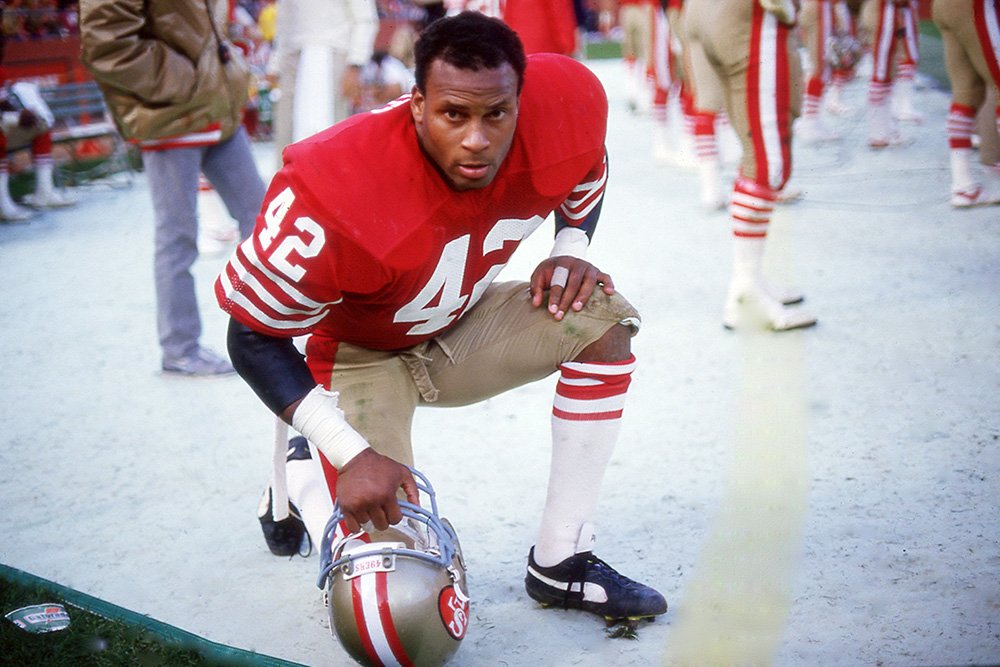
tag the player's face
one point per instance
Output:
(465, 121)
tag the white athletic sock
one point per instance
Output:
(6, 201)
(586, 418)
(308, 491)
(882, 128)
(44, 183)
(960, 124)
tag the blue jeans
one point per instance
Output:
(173, 183)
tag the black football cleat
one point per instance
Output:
(584, 581)
(287, 537)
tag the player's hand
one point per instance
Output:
(570, 282)
(366, 490)
(350, 82)
(605, 21)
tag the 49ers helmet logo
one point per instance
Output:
(454, 608)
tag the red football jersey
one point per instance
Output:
(361, 240)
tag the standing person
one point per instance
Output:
(381, 80)
(906, 66)
(20, 127)
(750, 49)
(969, 29)
(320, 48)
(176, 87)
(889, 25)
(26, 120)
(635, 17)
(820, 21)
(391, 274)
(667, 81)
(703, 104)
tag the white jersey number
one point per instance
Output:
(440, 301)
(308, 243)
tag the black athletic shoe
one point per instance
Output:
(288, 536)
(586, 582)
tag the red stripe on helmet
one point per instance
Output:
(385, 617)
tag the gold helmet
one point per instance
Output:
(397, 596)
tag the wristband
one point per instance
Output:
(571, 242)
(322, 423)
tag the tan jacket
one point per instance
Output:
(159, 66)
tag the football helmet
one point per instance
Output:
(398, 596)
(843, 50)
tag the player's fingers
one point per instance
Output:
(411, 490)
(606, 283)
(378, 517)
(393, 513)
(537, 287)
(584, 289)
(351, 523)
(557, 290)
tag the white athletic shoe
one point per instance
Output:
(789, 194)
(49, 199)
(974, 196)
(11, 212)
(777, 315)
(712, 195)
(887, 140)
(812, 130)
(786, 296)
(836, 107)
(907, 114)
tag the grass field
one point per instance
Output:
(101, 634)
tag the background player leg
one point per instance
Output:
(750, 211)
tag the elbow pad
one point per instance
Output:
(272, 366)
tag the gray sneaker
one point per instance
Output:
(200, 362)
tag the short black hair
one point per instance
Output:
(470, 41)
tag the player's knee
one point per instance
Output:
(614, 345)
(615, 342)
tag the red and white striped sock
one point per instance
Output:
(814, 94)
(660, 99)
(878, 93)
(705, 144)
(586, 418)
(750, 208)
(906, 71)
(959, 125)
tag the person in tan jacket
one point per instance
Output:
(176, 87)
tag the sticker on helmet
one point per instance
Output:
(454, 609)
(381, 562)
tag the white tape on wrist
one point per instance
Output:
(320, 420)
(559, 277)
(570, 242)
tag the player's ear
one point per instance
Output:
(417, 100)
